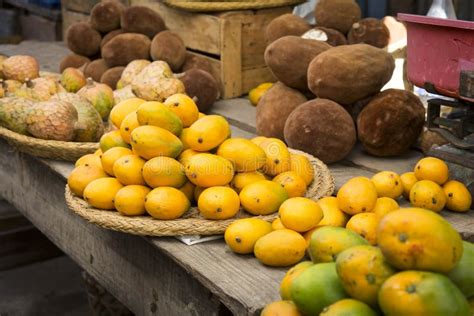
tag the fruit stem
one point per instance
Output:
(90, 81)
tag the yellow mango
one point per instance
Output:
(101, 192)
(128, 170)
(130, 200)
(166, 203)
(82, 175)
(129, 123)
(208, 170)
(151, 141)
(184, 107)
(278, 156)
(164, 171)
(122, 109)
(157, 114)
(280, 248)
(262, 197)
(242, 179)
(208, 132)
(245, 155)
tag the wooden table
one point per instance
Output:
(162, 276)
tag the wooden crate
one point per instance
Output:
(232, 41)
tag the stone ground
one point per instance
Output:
(54, 286)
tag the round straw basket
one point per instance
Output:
(192, 223)
(215, 6)
(53, 149)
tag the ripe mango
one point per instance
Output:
(151, 141)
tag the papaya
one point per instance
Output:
(208, 170)
(151, 141)
(362, 270)
(328, 242)
(157, 114)
(418, 239)
(317, 287)
(463, 273)
(421, 293)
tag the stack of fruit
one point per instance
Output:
(382, 259)
(64, 107)
(360, 205)
(117, 35)
(328, 93)
(165, 155)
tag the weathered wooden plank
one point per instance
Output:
(253, 41)
(254, 76)
(134, 271)
(242, 284)
(231, 56)
(399, 164)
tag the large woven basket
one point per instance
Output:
(216, 6)
(53, 149)
(192, 223)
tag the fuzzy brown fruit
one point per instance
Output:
(337, 14)
(369, 31)
(112, 76)
(105, 16)
(202, 86)
(82, 39)
(274, 108)
(193, 61)
(321, 128)
(124, 48)
(107, 37)
(143, 20)
(73, 61)
(169, 47)
(331, 36)
(349, 73)
(391, 122)
(95, 69)
(284, 25)
(289, 57)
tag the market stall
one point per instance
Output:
(177, 202)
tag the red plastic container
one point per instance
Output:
(437, 51)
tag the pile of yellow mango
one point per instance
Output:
(163, 157)
(368, 256)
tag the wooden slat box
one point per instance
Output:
(232, 41)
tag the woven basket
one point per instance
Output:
(192, 223)
(215, 6)
(53, 149)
